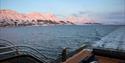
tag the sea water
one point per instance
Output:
(50, 40)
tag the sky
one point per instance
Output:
(103, 11)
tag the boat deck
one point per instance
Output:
(77, 58)
(102, 59)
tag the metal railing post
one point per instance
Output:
(64, 54)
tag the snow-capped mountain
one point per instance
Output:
(10, 17)
(79, 20)
(42, 16)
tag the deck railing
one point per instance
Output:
(69, 54)
(12, 50)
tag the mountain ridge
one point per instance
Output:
(11, 17)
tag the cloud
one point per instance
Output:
(116, 15)
(75, 15)
(81, 13)
(117, 18)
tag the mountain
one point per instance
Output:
(13, 18)
(79, 20)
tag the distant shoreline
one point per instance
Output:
(60, 25)
(35, 25)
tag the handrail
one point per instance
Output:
(32, 51)
(7, 52)
(22, 53)
(10, 44)
(18, 49)
(7, 42)
(21, 46)
(35, 56)
(70, 54)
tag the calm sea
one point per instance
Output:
(50, 40)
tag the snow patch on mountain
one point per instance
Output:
(79, 20)
(10, 17)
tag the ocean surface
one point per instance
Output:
(50, 40)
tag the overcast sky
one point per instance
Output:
(104, 11)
